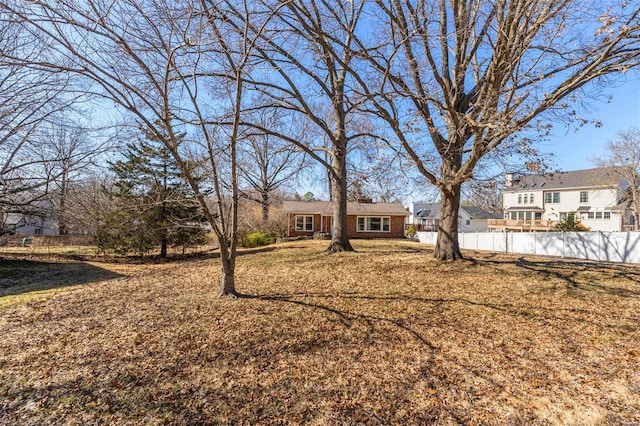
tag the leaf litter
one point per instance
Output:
(385, 335)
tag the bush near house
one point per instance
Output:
(570, 224)
(257, 239)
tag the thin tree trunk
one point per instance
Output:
(265, 207)
(227, 276)
(62, 217)
(447, 245)
(339, 236)
(636, 207)
(163, 246)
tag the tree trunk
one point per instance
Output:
(227, 276)
(636, 208)
(227, 284)
(163, 247)
(265, 207)
(339, 236)
(447, 245)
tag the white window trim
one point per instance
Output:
(365, 223)
(304, 222)
(550, 195)
(586, 196)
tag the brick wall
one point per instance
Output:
(396, 229)
(292, 226)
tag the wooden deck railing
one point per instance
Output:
(535, 225)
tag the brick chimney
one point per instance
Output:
(363, 200)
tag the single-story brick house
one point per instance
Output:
(365, 219)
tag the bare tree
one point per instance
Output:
(31, 102)
(623, 160)
(309, 47)
(67, 152)
(88, 203)
(458, 80)
(174, 67)
(266, 162)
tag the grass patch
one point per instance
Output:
(385, 335)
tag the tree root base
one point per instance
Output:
(336, 247)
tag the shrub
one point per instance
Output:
(570, 224)
(257, 239)
(411, 232)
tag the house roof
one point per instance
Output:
(325, 208)
(622, 206)
(602, 177)
(477, 213)
(432, 211)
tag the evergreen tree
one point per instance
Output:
(155, 206)
(570, 224)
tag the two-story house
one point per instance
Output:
(537, 202)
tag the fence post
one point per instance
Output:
(599, 246)
(506, 242)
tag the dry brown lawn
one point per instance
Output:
(385, 335)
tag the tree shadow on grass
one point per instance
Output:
(573, 274)
(530, 312)
(578, 275)
(18, 276)
(346, 318)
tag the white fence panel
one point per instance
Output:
(582, 245)
(605, 246)
(621, 247)
(427, 237)
(551, 244)
(523, 243)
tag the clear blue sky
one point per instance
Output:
(576, 150)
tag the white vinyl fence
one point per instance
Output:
(603, 246)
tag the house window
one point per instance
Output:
(598, 215)
(538, 216)
(584, 197)
(552, 197)
(526, 198)
(304, 223)
(531, 198)
(468, 222)
(374, 224)
(37, 231)
(607, 215)
(591, 215)
(519, 198)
